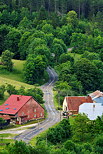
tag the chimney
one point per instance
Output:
(18, 98)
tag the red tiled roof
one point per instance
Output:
(5, 117)
(73, 102)
(13, 104)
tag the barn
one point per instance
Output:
(22, 109)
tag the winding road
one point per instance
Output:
(53, 115)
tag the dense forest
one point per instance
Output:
(42, 32)
(84, 8)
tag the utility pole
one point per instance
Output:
(59, 103)
(46, 140)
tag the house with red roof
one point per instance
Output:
(21, 109)
(71, 103)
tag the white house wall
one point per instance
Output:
(92, 110)
(65, 105)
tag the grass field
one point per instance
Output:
(14, 78)
(17, 84)
(17, 73)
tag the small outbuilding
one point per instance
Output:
(71, 103)
(97, 96)
(92, 110)
(21, 109)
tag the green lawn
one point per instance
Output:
(17, 84)
(15, 77)
(17, 73)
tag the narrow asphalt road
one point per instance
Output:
(53, 115)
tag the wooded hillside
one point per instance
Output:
(84, 8)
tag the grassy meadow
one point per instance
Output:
(14, 78)
(16, 74)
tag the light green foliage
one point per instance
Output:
(6, 59)
(91, 55)
(72, 18)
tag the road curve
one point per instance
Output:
(53, 114)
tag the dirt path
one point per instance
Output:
(18, 130)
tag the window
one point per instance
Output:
(35, 115)
(22, 113)
(7, 108)
(41, 114)
(34, 110)
(6, 104)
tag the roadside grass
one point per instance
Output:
(42, 135)
(10, 127)
(33, 141)
(71, 120)
(6, 135)
(55, 100)
(56, 103)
